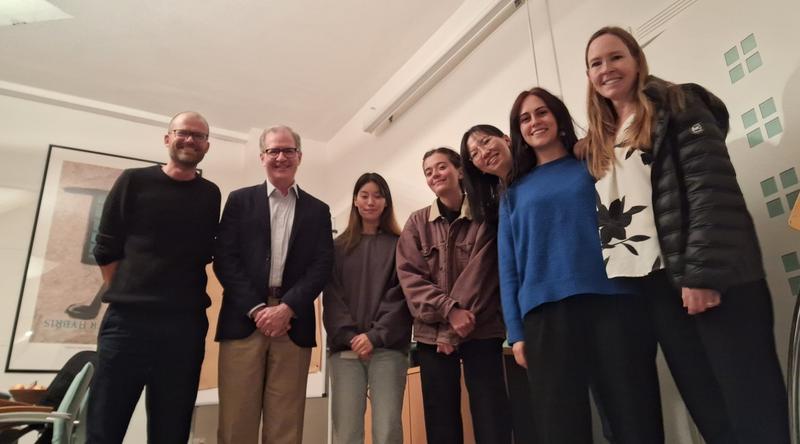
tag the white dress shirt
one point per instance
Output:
(281, 219)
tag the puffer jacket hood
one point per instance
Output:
(665, 95)
(706, 234)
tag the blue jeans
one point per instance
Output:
(384, 376)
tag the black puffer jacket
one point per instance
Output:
(706, 233)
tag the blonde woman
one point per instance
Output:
(672, 214)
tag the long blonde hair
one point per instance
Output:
(602, 116)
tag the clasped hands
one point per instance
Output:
(463, 322)
(274, 321)
(362, 346)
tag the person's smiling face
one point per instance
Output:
(440, 174)
(612, 70)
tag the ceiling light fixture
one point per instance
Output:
(448, 58)
(22, 12)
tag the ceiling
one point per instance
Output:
(244, 64)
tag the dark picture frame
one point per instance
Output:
(59, 309)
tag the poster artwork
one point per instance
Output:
(68, 307)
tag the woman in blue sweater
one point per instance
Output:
(569, 324)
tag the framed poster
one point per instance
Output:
(59, 309)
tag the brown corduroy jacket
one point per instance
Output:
(444, 265)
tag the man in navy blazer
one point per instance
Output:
(274, 256)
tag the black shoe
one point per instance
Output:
(82, 311)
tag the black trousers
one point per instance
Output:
(159, 352)
(724, 362)
(603, 341)
(485, 381)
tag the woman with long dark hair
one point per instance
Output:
(569, 324)
(367, 321)
(671, 213)
(447, 263)
(486, 151)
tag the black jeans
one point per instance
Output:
(485, 381)
(138, 349)
(724, 362)
(602, 341)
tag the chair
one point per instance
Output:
(60, 384)
(79, 430)
(55, 393)
(64, 418)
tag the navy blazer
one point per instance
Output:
(242, 257)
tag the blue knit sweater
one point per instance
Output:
(548, 243)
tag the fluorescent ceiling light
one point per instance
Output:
(427, 77)
(21, 12)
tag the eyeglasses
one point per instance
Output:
(185, 134)
(289, 153)
(481, 147)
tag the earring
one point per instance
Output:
(562, 133)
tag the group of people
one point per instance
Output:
(586, 255)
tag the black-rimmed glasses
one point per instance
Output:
(185, 134)
(288, 153)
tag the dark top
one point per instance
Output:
(242, 256)
(447, 213)
(162, 232)
(707, 237)
(364, 296)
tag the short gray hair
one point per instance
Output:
(277, 129)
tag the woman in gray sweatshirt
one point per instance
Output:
(367, 320)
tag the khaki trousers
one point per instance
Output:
(261, 374)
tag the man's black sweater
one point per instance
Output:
(162, 233)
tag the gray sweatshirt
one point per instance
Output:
(364, 296)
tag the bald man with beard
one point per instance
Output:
(155, 238)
